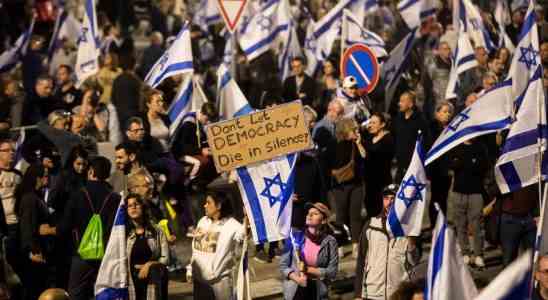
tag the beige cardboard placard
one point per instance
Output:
(258, 136)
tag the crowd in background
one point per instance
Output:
(46, 207)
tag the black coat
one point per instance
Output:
(405, 133)
(126, 96)
(33, 212)
(308, 87)
(470, 164)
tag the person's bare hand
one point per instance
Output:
(37, 258)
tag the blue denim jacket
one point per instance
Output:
(328, 263)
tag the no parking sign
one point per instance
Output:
(360, 62)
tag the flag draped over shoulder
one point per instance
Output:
(10, 57)
(490, 113)
(87, 57)
(353, 32)
(177, 59)
(266, 190)
(448, 277)
(513, 282)
(406, 214)
(112, 279)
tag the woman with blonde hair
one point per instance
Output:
(107, 73)
(346, 169)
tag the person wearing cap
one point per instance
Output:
(384, 262)
(310, 260)
(355, 106)
(299, 86)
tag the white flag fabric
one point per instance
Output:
(464, 59)
(266, 190)
(468, 14)
(206, 13)
(393, 68)
(67, 27)
(291, 49)
(502, 16)
(526, 57)
(189, 99)
(309, 50)
(232, 102)
(448, 277)
(243, 291)
(87, 57)
(112, 279)
(177, 59)
(328, 29)
(414, 12)
(353, 32)
(266, 29)
(517, 166)
(406, 214)
(18, 161)
(513, 282)
(490, 113)
(10, 57)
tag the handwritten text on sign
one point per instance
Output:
(259, 136)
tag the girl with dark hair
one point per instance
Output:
(34, 231)
(213, 249)
(155, 120)
(310, 262)
(148, 253)
(379, 149)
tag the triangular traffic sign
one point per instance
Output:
(231, 10)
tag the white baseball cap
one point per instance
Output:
(349, 81)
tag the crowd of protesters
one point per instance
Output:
(344, 186)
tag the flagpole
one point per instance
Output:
(538, 235)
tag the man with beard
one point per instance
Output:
(127, 163)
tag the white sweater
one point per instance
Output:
(213, 250)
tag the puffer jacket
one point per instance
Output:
(381, 268)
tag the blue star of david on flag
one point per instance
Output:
(264, 22)
(457, 121)
(82, 37)
(310, 44)
(528, 56)
(163, 61)
(415, 188)
(269, 184)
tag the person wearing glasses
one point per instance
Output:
(384, 262)
(149, 147)
(148, 252)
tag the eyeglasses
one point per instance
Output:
(137, 130)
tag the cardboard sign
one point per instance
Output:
(258, 136)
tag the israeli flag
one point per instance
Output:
(502, 16)
(206, 13)
(10, 57)
(414, 12)
(467, 14)
(266, 29)
(328, 29)
(526, 59)
(177, 59)
(393, 68)
(309, 50)
(266, 190)
(189, 99)
(112, 279)
(232, 102)
(291, 49)
(514, 282)
(490, 113)
(517, 166)
(228, 53)
(87, 57)
(406, 214)
(353, 32)
(67, 27)
(448, 277)
(464, 59)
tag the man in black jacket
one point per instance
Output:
(96, 197)
(299, 86)
(407, 124)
